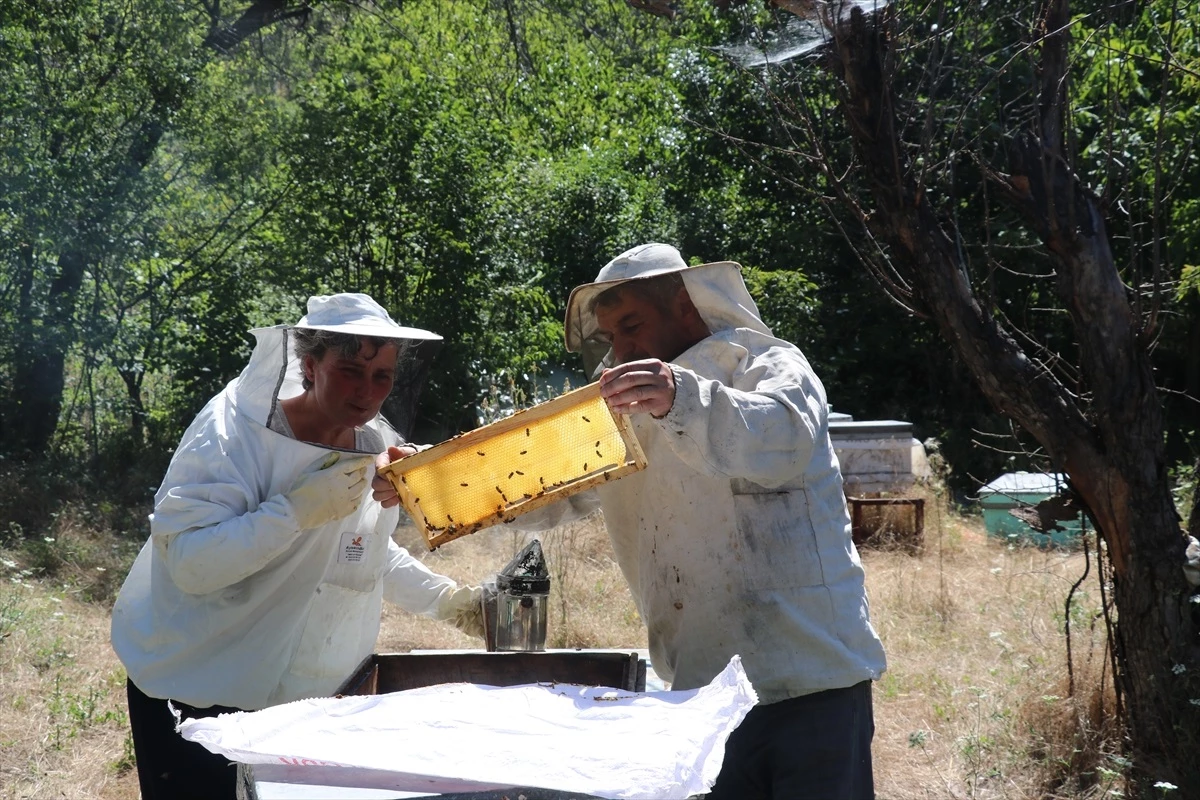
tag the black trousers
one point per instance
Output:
(169, 766)
(814, 747)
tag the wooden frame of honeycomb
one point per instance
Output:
(512, 466)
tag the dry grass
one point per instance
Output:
(63, 725)
(975, 703)
(972, 705)
(590, 604)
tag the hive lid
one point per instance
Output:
(1012, 483)
(870, 429)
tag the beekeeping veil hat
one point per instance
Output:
(716, 289)
(274, 371)
(359, 315)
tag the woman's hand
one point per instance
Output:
(382, 490)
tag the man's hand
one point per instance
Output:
(639, 387)
(382, 490)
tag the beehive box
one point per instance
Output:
(1014, 490)
(394, 672)
(510, 467)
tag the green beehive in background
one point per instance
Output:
(1017, 490)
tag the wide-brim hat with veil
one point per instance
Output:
(716, 289)
(274, 372)
(360, 315)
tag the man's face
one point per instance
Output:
(350, 391)
(638, 328)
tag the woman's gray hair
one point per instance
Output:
(316, 343)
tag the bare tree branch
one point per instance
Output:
(261, 14)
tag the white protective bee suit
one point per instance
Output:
(735, 539)
(230, 602)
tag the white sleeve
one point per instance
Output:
(551, 515)
(208, 545)
(413, 586)
(762, 428)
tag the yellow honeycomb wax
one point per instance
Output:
(477, 478)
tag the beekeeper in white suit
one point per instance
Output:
(735, 539)
(263, 578)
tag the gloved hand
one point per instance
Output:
(464, 609)
(332, 492)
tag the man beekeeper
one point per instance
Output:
(735, 539)
(263, 578)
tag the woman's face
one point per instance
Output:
(348, 392)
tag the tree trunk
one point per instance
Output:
(258, 15)
(38, 378)
(137, 408)
(1108, 437)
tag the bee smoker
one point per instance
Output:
(514, 608)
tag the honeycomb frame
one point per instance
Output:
(487, 480)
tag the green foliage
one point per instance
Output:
(468, 165)
(12, 610)
(1189, 281)
(786, 300)
(88, 89)
(1183, 489)
(1137, 95)
(436, 180)
(76, 711)
(579, 211)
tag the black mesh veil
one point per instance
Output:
(412, 370)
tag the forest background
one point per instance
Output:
(165, 190)
(466, 164)
(173, 174)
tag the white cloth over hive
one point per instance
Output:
(593, 740)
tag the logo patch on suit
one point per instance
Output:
(353, 549)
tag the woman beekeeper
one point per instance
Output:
(263, 578)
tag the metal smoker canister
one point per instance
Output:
(522, 593)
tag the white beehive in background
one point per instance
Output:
(877, 455)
